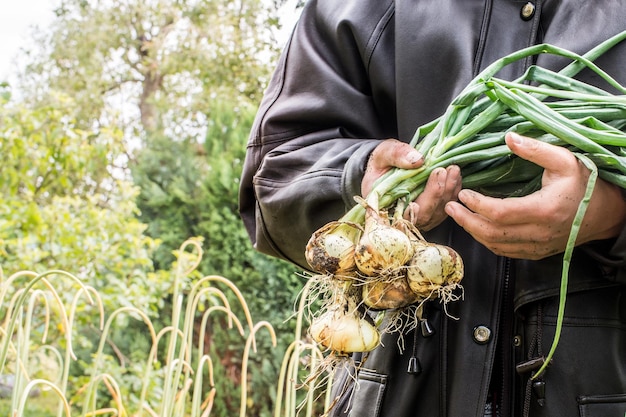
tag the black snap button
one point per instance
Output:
(528, 11)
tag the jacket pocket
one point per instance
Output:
(368, 394)
(602, 405)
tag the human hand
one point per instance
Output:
(443, 185)
(428, 209)
(538, 225)
(390, 153)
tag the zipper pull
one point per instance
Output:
(426, 328)
(530, 365)
(539, 388)
(415, 367)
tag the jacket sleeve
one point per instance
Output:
(315, 128)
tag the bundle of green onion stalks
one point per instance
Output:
(372, 259)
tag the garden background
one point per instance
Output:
(123, 127)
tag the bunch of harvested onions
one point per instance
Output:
(363, 247)
(384, 265)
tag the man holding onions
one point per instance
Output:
(357, 73)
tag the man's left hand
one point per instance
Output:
(538, 225)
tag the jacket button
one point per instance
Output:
(528, 11)
(482, 334)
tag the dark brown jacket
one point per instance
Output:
(358, 71)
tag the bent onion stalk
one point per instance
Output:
(549, 106)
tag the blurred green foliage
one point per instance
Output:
(127, 138)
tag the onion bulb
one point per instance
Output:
(432, 267)
(382, 247)
(342, 327)
(388, 294)
(330, 249)
(344, 331)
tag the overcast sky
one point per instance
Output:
(19, 17)
(16, 20)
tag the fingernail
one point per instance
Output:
(414, 156)
(516, 138)
(441, 173)
(449, 209)
(464, 194)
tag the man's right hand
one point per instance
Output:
(443, 185)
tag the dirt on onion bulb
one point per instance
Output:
(391, 294)
(330, 249)
(432, 267)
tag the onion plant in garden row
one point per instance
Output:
(372, 260)
(177, 378)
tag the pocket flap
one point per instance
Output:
(613, 405)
